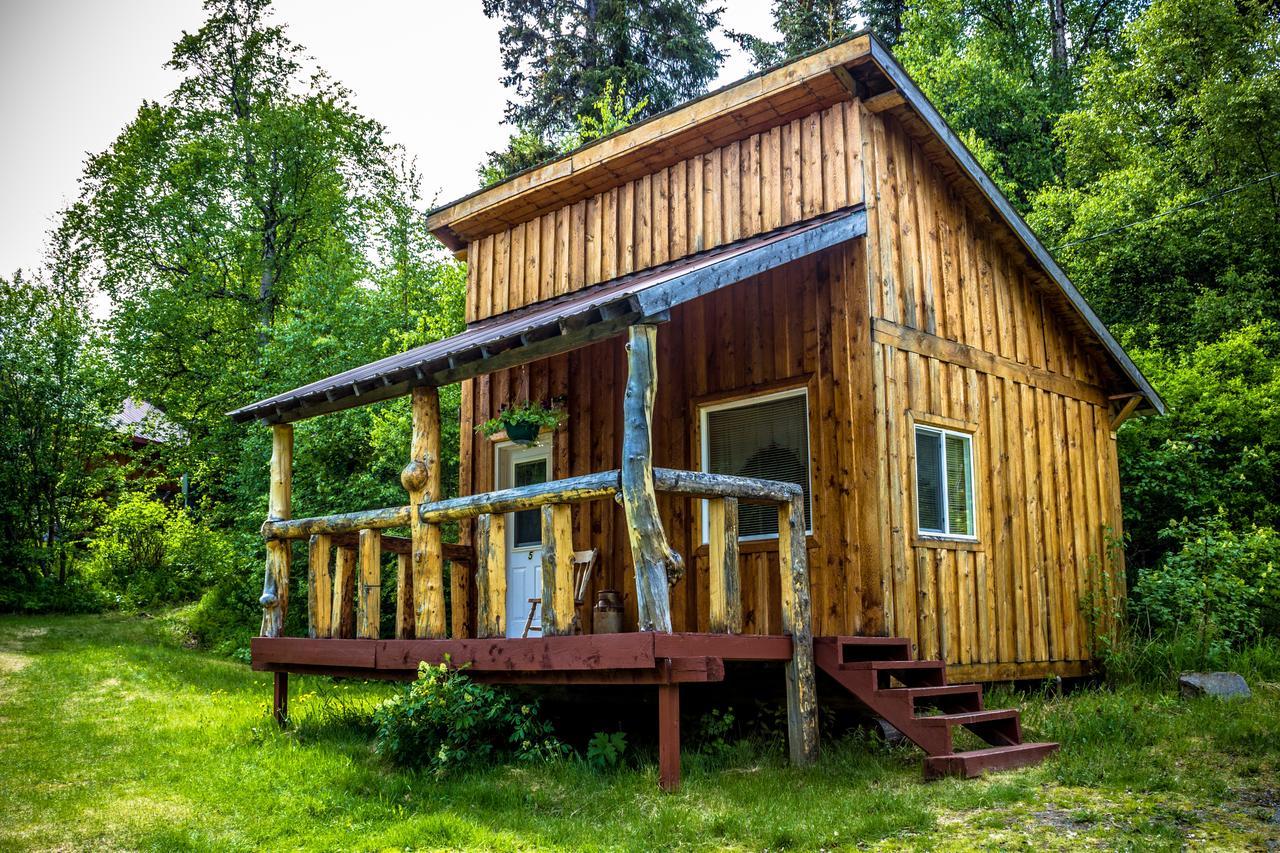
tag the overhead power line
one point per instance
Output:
(1199, 201)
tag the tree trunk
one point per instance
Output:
(1058, 37)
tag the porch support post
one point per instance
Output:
(657, 566)
(275, 585)
(421, 479)
(319, 589)
(725, 606)
(669, 736)
(557, 570)
(343, 614)
(369, 597)
(797, 620)
(491, 575)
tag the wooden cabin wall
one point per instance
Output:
(799, 325)
(960, 333)
(769, 179)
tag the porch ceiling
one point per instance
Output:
(560, 324)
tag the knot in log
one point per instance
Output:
(415, 475)
(674, 568)
(268, 600)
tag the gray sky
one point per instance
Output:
(73, 72)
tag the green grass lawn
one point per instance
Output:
(114, 736)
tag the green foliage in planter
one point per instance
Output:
(531, 413)
(445, 720)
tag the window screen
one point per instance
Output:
(768, 440)
(944, 482)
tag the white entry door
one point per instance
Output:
(523, 466)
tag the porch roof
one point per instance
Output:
(561, 323)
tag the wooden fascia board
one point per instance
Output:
(920, 104)
(651, 133)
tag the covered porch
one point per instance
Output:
(472, 622)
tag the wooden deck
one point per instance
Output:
(660, 660)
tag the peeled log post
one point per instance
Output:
(725, 610)
(275, 585)
(421, 478)
(557, 570)
(656, 564)
(342, 619)
(319, 593)
(802, 690)
(369, 599)
(491, 576)
(404, 597)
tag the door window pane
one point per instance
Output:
(528, 522)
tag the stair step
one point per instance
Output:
(975, 762)
(968, 718)
(945, 696)
(894, 665)
(854, 649)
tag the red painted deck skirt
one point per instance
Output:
(631, 658)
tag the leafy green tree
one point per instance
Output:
(56, 398)
(1168, 213)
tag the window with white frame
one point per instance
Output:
(765, 437)
(944, 482)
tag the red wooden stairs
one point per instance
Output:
(915, 698)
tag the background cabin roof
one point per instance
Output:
(859, 66)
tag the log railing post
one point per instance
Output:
(275, 585)
(557, 570)
(725, 616)
(657, 566)
(802, 699)
(491, 575)
(342, 619)
(422, 479)
(319, 591)
(369, 599)
(404, 597)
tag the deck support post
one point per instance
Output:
(557, 570)
(275, 584)
(657, 566)
(342, 615)
(797, 620)
(421, 478)
(669, 736)
(280, 699)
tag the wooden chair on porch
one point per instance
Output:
(583, 564)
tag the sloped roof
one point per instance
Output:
(858, 66)
(140, 419)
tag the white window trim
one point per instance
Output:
(943, 432)
(704, 439)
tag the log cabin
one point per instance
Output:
(827, 402)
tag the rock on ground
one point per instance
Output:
(1224, 685)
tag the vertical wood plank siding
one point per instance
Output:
(734, 191)
(991, 353)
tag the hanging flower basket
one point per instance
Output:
(523, 433)
(523, 423)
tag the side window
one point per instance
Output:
(765, 437)
(944, 482)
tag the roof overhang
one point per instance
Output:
(563, 323)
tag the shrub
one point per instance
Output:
(1221, 583)
(605, 750)
(147, 554)
(445, 720)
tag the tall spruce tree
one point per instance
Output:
(802, 26)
